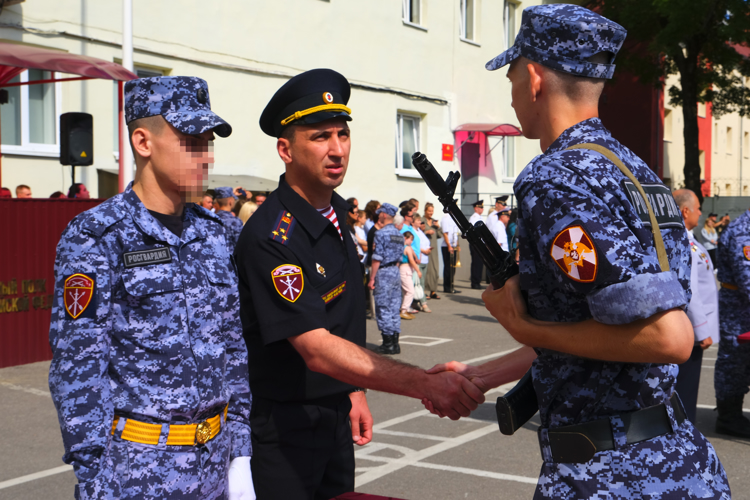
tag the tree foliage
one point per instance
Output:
(705, 42)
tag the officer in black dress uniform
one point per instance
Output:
(302, 308)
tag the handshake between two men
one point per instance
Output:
(450, 390)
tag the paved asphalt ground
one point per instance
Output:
(413, 455)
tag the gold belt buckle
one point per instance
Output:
(203, 432)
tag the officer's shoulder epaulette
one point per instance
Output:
(282, 229)
(98, 219)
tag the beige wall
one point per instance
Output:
(248, 49)
(730, 158)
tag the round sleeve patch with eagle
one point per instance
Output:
(574, 252)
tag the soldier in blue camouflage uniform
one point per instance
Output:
(732, 375)
(224, 201)
(604, 317)
(149, 378)
(385, 279)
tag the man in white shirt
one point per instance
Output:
(498, 229)
(703, 309)
(476, 258)
(500, 203)
(424, 259)
(448, 249)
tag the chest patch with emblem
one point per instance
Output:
(138, 258)
(661, 199)
(288, 281)
(78, 292)
(321, 270)
(573, 251)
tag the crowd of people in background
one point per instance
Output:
(77, 190)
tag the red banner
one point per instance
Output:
(29, 233)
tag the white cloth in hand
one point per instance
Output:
(241, 480)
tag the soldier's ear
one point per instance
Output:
(284, 148)
(141, 142)
(535, 81)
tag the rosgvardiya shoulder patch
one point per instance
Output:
(78, 293)
(283, 227)
(573, 251)
(288, 281)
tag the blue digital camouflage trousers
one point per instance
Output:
(134, 471)
(732, 371)
(387, 296)
(681, 465)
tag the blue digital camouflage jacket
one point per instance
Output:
(144, 325)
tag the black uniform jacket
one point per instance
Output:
(296, 275)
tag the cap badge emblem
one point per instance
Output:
(574, 252)
(202, 96)
(328, 97)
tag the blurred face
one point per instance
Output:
(83, 193)
(207, 202)
(319, 154)
(499, 205)
(504, 218)
(23, 193)
(180, 161)
(259, 199)
(478, 210)
(428, 212)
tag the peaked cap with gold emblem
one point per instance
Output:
(310, 97)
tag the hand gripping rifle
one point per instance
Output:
(519, 404)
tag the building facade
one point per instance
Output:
(416, 68)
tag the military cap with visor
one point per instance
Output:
(308, 98)
(564, 37)
(388, 209)
(224, 192)
(479, 203)
(183, 101)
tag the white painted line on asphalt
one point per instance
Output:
(489, 356)
(709, 359)
(412, 435)
(435, 341)
(413, 458)
(401, 419)
(707, 367)
(476, 472)
(36, 475)
(29, 390)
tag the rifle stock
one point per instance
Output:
(519, 404)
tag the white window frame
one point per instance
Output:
(509, 158)
(510, 37)
(28, 148)
(462, 22)
(406, 14)
(400, 170)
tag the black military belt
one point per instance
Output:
(389, 264)
(578, 443)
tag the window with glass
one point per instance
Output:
(28, 122)
(407, 140)
(467, 19)
(412, 10)
(510, 23)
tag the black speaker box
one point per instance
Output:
(77, 139)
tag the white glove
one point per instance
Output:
(240, 479)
